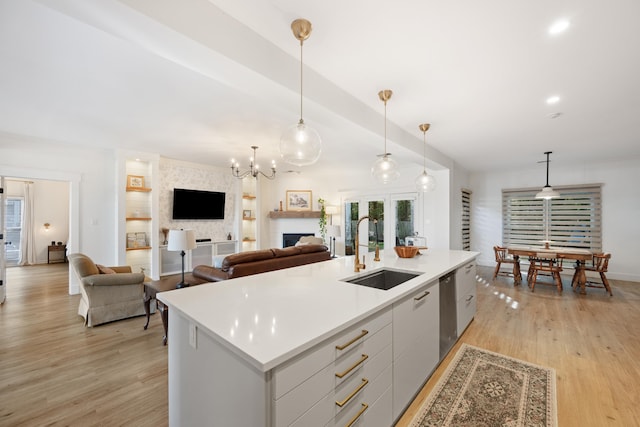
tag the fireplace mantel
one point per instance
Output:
(293, 214)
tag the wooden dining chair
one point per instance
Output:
(600, 265)
(503, 258)
(545, 263)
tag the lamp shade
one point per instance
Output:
(331, 209)
(181, 240)
(333, 231)
(547, 193)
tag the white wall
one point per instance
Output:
(620, 208)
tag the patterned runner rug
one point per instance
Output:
(482, 388)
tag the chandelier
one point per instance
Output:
(385, 169)
(254, 169)
(424, 181)
(300, 144)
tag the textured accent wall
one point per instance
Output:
(177, 174)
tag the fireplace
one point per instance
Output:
(290, 239)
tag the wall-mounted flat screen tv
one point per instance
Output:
(198, 204)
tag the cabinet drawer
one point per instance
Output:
(366, 398)
(362, 382)
(412, 315)
(465, 280)
(288, 375)
(466, 309)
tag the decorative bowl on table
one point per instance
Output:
(406, 251)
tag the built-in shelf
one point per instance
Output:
(293, 214)
(141, 189)
(248, 197)
(249, 219)
(139, 248)
(136, 218)
(248, 240)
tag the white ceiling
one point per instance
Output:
(202, 81)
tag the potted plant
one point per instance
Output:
(322, 223)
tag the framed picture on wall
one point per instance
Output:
(135, 181)
(299, 200)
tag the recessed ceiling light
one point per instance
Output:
(553, 99)
(558, 27)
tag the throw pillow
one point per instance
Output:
(105, 270)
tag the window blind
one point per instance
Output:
(573, 220)
(466, 219)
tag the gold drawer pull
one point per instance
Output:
(342, 347)
(353, 393)
(355, 365)
(354, 419)
(421, 296)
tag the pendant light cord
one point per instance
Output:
(301, 62)
(385, 129)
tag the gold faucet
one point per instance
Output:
(357, 266)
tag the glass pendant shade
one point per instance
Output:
(300, 145)
(425, 182)
(385, 169)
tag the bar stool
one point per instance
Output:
(599, 264)
(503, 258)
(545, 263)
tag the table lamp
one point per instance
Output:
(333, 231)
(181, 240)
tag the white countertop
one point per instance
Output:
(268, 318)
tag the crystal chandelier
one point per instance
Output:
(254, 169)
(300, 144)
(424, 181)
(385, 169)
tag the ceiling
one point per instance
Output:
(203, 80)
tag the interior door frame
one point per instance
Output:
(3, 267)
(73, 243)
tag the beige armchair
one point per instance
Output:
(108, 293)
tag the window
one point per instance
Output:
(13, 227)
(573, 220)
(404, 220)
(466, 220)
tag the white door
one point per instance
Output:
(3, 270)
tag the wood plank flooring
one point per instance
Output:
(54, 371)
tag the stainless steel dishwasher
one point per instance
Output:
(448, 324)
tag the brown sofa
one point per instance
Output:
(261, 261)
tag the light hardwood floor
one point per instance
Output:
(54, 371)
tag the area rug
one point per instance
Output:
(482, 388)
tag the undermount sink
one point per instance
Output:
(384, 279)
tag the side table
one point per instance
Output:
(166, 283)
(56, 253)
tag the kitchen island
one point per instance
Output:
(300, 346)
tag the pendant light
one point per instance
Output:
(424, 181)
(547, 191)
(385, 169)
(300, 144)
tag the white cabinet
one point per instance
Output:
(203, 254)
(337, 381)
(416, 352)
(465, 295)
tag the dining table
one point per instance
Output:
(578, 254)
